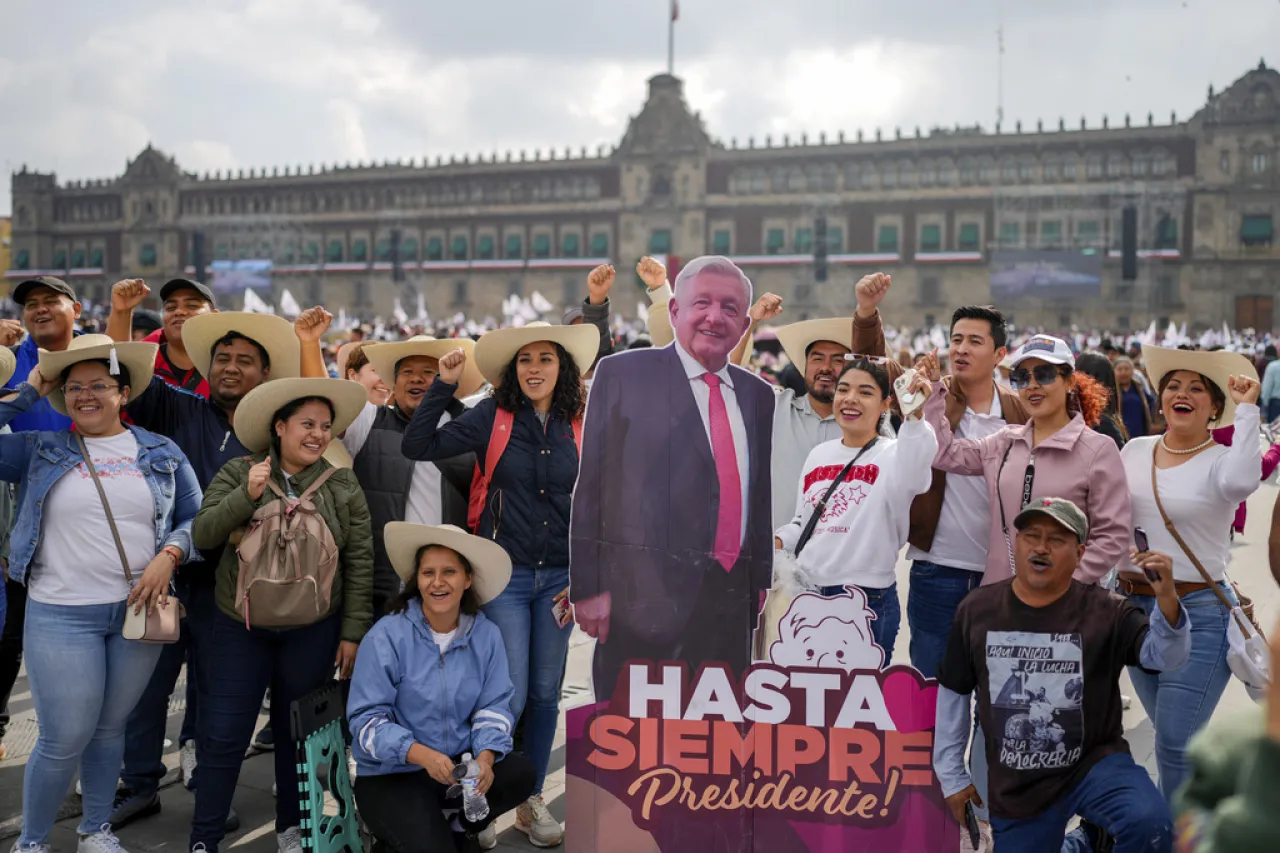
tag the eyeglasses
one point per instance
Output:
(874, 359)
(1045, 374)
(97, 389)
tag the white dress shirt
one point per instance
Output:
(960, 540)
(702, 396)
(425, 504)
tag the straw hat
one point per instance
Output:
(798, 337)
(8, 364)
(253, 415)
(1216, 366)
(385, 357)
(488, 559)
(275, 334)
(496, 349)
(138, 358)
(337, 455)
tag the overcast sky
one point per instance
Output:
(226, 84)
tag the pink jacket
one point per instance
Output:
(1075, 463)
(1270, 461)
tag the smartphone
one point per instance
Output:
(1140, 540)
(971, 821)
(907, 401)
(562, 612)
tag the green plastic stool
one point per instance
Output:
(319, 725)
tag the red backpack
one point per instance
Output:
(502, 421)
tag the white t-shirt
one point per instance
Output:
(424, 505)
(443, 640)
(961, 539)
(76, 561)
(1200, 495)
(858, 538)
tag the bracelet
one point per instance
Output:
(173, 553)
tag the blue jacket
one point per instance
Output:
(527, 510)
(405, 690)
(42, 415)
(35, 460)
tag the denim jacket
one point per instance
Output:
(37, 459)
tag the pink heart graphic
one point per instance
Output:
(913, 707)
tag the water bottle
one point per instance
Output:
(474, 805)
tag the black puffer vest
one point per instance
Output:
(385, 475)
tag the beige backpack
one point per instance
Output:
(288, 562)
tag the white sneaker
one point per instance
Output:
(101, 841)
(488, 837)
(533, 819)
(30, 848)
(289, 841)
(187, 763)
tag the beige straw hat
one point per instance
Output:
(489, 561)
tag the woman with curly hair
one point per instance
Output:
(1055, 454)
(534, 415)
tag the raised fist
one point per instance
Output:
(870, 291)
(128, 294)
(651, 272)
(312, 324)
(599, 283)
(766, 308)
(451, 366)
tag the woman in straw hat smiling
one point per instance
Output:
(431, 684)
(1200, 484)
(105, 519)
(287, 424)
(536, 407)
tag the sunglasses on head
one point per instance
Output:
(1045, 374)
(874, 359)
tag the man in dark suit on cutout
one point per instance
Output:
(671, 547)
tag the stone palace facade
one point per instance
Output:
(929, 207)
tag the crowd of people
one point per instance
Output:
(1067, 506)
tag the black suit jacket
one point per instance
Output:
(644, 510)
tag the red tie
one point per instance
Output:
(729, 518)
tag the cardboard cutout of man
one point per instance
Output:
(670, 540)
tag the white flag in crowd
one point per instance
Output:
(422, 309)
(540, 303)
(401, 317)
(289, 306)
(255, 303)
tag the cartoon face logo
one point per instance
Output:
(828, 632)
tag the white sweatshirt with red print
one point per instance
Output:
(858, 538)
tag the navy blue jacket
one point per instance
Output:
(202, 431)
(527, 511)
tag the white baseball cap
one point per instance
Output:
(1046, 348)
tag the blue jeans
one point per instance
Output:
(536, 651)
(1273, 410)
(242, 664)
(1181, 701)
(1116, 794)
(884, 604)
(935, 593)
(144, 737)
(85, 679)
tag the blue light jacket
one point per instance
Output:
(405, 690)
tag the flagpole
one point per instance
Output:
(671, 38)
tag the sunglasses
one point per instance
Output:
(874, 359)
(1045, 374)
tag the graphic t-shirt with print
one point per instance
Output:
(1047, 682)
